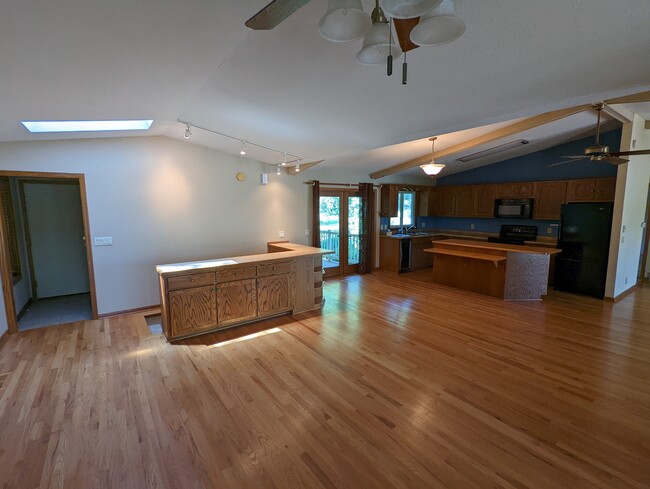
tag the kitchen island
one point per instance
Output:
(510, 272)
(203, 296)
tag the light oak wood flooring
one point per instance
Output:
(399, 383)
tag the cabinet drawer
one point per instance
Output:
(188, 281)
(274, 269)
(235, 274)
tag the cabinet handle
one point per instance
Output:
(275, 268)
(236, 274)
(191, 280)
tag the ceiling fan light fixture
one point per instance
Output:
(344, 21)
(378, 42)
(408, 9)
(440, 26)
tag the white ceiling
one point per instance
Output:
(289, 89)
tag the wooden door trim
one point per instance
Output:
(5, 265)
(644, 259)
(28, 238)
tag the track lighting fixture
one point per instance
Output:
(297, 167)
(244, 145)
(278, 171)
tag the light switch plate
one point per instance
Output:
(280, 234)
(104, 241)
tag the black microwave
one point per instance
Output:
(513, 208)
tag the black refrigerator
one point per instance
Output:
(585, 230)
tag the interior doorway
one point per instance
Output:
(340, 212)
(45, 261)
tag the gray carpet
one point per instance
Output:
(56, 310)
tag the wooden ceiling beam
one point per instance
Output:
(504, 132)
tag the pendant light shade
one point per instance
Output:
(432, 168)
(440, 26)
(408, 9)
(378, 43)
(344, 21)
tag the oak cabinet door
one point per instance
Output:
(389, 200)
(442, 201)
(236, 301)
(581, 190)
(605, 189)
(273, 294)
(192, 310)
(484, 196)
(549, 197)
(464, 201)
(420, 258)
(523, 190)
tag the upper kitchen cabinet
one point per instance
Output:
(389, 200)
(464, 201)
(549, 197)
(592, 190)
(519, 190)
(605, 189)
(422, 198)
(441, 201)
(484, 196)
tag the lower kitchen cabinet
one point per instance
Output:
(236, 301)
(273, 294)
(420, 259)
(192, 310)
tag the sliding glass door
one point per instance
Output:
(339, 230)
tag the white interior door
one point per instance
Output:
(55, 225)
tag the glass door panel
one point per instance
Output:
(330, 233)
(354, 226)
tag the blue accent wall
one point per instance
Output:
(534, 166)
(530, 167)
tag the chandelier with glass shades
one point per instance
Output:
(415, 22)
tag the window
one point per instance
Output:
(10, 227)
(405, 210)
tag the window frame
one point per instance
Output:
(400, 209)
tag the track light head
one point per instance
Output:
(297, 167)
(284, 161)
(188, 132)
(243, 148)
(278, 171)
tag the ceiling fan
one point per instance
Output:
(601, 152)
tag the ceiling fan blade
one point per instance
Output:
(274, 13)
(630, 99)
(565, 162)
(616, 161)
(632, 153)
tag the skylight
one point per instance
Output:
(79, 126)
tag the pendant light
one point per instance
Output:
(408, 9)
(378, 43)
(440, 26)
(344, 21)
(432, 168)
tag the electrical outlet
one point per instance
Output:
(549, 230)
(471, 226)
(103, 241)
(280, 234)
(307, 232)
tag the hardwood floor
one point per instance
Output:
(398, 384)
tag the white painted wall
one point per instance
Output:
(165, 201)
(22, 288)
(55, 225)
(633, 179)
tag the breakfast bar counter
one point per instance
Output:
(510, 272)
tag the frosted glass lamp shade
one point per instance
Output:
(440, 26)
(344, 21)
(407, 9)
(432, 168)
(375, 46)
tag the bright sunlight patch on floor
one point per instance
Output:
(247, 337)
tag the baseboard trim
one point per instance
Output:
(128, 311)
(622, 295)
(3, 338)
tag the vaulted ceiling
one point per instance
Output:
(290, 89)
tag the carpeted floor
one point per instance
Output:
(56, 310)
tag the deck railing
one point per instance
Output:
(330, 240)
